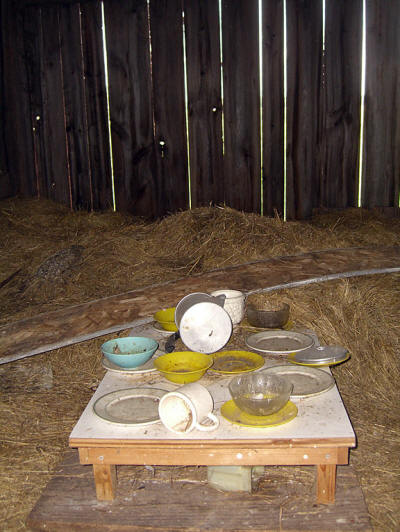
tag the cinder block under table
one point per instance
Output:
(320, 435)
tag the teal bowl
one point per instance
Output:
(129, 352)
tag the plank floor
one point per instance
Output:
(171, 501)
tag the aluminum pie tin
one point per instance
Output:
(321, 355)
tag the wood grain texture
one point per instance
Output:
(326, 483)
(105, 479)
(339, 111)
(204, 102)
(20, 178)
(172, 186)
(130, 93)
(96, 106)
(78, 161)
(273, 125)
(54, 134)
(242, 171)
(381, 176)
(32, 27)
(213, 454)
(304, 51)
(181, 499)
(88, 320)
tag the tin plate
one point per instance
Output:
(307, 381)
(133, 406)
(279, 342)
(144, 368)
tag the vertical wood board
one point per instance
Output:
(55, 141)
(96, 105)
(32, 27)
(129, 71)
(339, 121)
(16, 120)
(381, 165)
(204, 102)
(172, 187)
(242, 171)
(304, 47)
(75, 119)
(273, 107)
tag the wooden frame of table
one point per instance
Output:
(321, 435)
(105, 455)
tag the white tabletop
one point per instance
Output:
(319, 417)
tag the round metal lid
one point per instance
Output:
(205, 327)
(323, 354)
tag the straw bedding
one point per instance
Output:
(42, 397)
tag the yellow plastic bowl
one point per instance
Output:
(183, 366)
(166, 318)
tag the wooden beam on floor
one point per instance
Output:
(77, 323)
(170, 500)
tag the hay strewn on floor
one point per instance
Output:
(43, 396)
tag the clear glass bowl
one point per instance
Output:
(259, 393)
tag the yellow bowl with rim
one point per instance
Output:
(183, 367)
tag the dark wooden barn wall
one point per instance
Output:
(54, 138)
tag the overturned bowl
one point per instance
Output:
(260, 393)
(272, 317)
(129, 352)
(166, 319)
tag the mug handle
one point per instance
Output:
(215, 423)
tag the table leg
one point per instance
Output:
(326, 483)
(105, 479)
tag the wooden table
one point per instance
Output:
(320, 435)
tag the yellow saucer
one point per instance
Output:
(232, 413)
(236, 362)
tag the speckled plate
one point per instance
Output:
(232, 413)
(279, 342)
(307, 381)
(132, 406)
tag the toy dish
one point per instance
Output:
(236, 362)
(268, 318)
(306, 381)
(147, 367)
(133, 406)
(166, 319)
(323, 355)
(183, 367)
(260, 393)
(130, 351)
(232, 413)
(279, 342)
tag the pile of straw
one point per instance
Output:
(43, 396)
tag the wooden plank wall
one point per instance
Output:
(195, 134)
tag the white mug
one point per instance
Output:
(187, 408)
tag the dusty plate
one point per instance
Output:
(306, 381)
(323, 355)
(236, 362)
(144, 368)
(232, 413)
(279, 342)
(133, 406)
